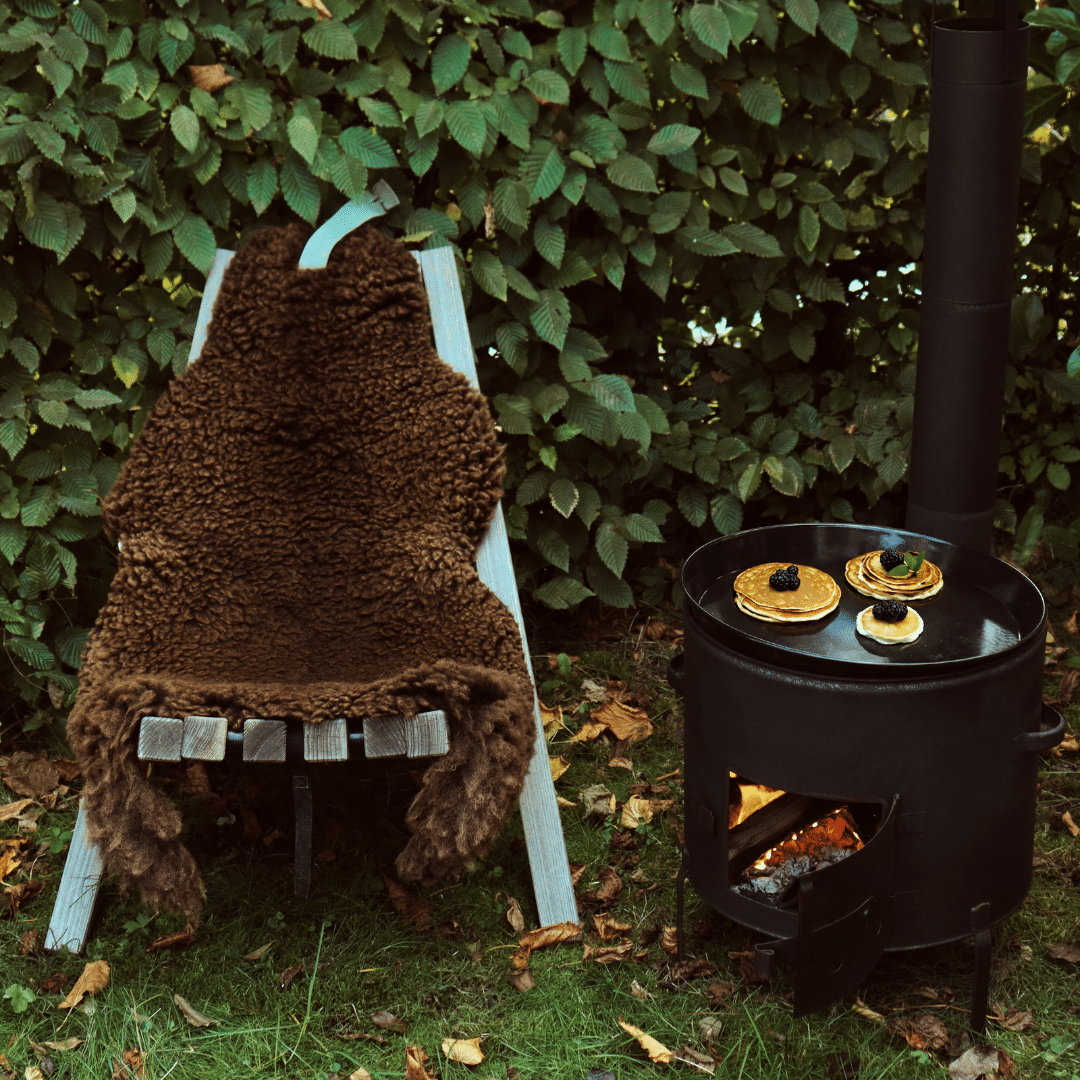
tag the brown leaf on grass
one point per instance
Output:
(191, 1014)
(178, 939)
(554, 934)
(684, 970)
(669, 940)
(982, 1060)
(608, 927)
(130, 1067)
(624, 721)
(1015, 1019)
(719, 992)
(69, 770)
(1064, 952)
(10, 855)
(209, 77)
(521, 980)
(416, 1064)
(14, 809)
(639, 991)
(285, 979)
(29, 774)
(1067, 687)
(67, 1044)
(842, 1066)
(1070, 625)
(32, 1073)
(513, 914)
(746, 966)
(866, 1012)
(359, 1073)
(46, 1063)
(577, 872)
(1068, 744)
(657, 1051)
(608, 954)
(552, 719)
(921, 1032)
(389, 1022)
(1067, 821)
(591, 729)
(519, 959)
(559, 765)
(709, 1028)
(411, 908)
(610, 885)
(29, 943)
(636, 811)
(54, 984)
(465, 1051)
(259, 953)
(94, 979)
(689, 1056)
(620, 762)
(14, 896)
(593, 690)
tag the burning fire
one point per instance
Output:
(837, 832)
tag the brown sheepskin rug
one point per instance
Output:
(298, 523)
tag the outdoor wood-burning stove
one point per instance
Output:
(917, 762)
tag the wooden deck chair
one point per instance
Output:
(207, 738)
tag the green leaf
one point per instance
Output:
(689, 80)
(642, 528)
(70, 643)
(13, 537)
(279, 48)
(1028, 533)
(300, 189)
(512, 339)
(629, 81)
(809, 227)
(96, 398)
(1058, 475)
(13, 435)
(428, 116)
(542, 169)
(694, 504)
(727, 512)
(839, 24)
(732, 180)
(371, 150)
(303, 136)
(262, 183)
(195, 239)
(1067, 68)
(612, 547)
(673, 138)
(56, 71)
(609, 587)
(709, 23)
(750, 238)
(449, 62)
(609, 41)
(36, 653)
(762, 101)
(37, 465)
(465, 121)
(332, 39)
(658, 19)
(632, 173)
(549, 86)
(804, 13)
(562, 592)
(488, 273)
(551, 317)
(613, 392)
(39, 506)
(46, 227)
(571, 45)
(550, 240)
(563, 494)
(554, 547)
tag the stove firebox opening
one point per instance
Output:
(775, 837)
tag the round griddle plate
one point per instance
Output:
(986, 607)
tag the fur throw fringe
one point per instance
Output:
(298, 523)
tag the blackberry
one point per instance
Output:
(891, 558)
(890, 611)
(785, 580)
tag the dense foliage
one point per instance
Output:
(688, 231)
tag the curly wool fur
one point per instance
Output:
(298, 523)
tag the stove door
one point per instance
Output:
(843, 923)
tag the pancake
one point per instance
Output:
(816, 596)
(889, 633)
(920, 586)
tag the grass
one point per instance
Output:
(448, 979)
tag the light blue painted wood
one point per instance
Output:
(74, 907)
(351, 216)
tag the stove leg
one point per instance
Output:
(680, 879)
(980, 989)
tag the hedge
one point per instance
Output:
(688, 234)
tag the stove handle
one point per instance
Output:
(676, 676)
(1049, 734)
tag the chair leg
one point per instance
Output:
(69, 926)
(301, 787)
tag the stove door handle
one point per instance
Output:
(676, 675)
(1049, 734)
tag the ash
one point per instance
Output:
(776, 883)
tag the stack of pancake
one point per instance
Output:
(866, 575)
(815, 597)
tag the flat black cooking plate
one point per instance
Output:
(986, 607)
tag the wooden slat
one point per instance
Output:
(384, 736)
(539, 810)
(204, 737)
(69, 926)
(161, 738)
(426, 734)
(264, 740)
(328, 741)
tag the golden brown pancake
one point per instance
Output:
(816, 596)
(889, 633)
(861, 576)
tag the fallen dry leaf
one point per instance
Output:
(608, 954)
(1064, 952)
(1015, 1019)
(130, 1067)
(415, 1064)
(411, 908)
(639, 991)
(320, 7)
(865, 1011)
(192, 1015)
(598, 801)
(591, 729)
(29, 774)
(922, 1032)
(982, 1060)
(14, 809)
(14, 896)
(552, 719)
(709, 1028)
(636, 811)
(10, 857)
(285, 979)
(94, 979)
(521, 980)
(689, 1056)
(513, 914)
(389, 1022)
(1067, 687)
(1070, 625)
(610, 884)
(593, 690)
(577, 872)
(624, 721)
(683, 971)
(54, 984)
(32, 1073)
(669, 940)
(608, 927)
(620, 762)
(209, 77)
(1068, 744)
(465, 1051)
(1067, 821)
(565, 804)
(178, 939)
(28, 943)
(554, 934)
(656, 1050)
(559, 765)
(67, 1044)
(259, 953)
(719, 992)
(359, 1073)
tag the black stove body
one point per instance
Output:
(931, 746)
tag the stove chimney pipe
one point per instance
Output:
(978, 77)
